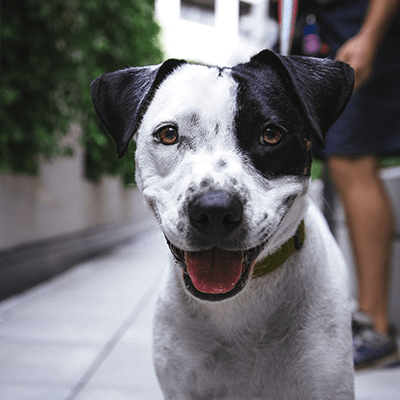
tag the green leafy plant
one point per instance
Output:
(50, 52)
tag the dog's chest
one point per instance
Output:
(222, 367)
(230, 354)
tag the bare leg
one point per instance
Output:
(369, 218)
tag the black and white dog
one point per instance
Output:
(255, 303)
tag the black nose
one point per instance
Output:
(216, 212)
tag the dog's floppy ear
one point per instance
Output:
(122, 97)
(322, 86)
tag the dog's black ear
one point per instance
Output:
(122, 97)
(322, 86)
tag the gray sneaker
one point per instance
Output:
(371, 348)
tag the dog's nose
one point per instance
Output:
(216, 212)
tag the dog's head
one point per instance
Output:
(223, 154)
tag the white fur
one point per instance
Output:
(286, 335)
(168, 172)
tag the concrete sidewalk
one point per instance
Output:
(86, 334)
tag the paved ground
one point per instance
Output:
(86, 334)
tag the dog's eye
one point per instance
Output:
(168, 135)
(271, 136)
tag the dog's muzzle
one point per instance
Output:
(215, 274)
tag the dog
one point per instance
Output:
(255, 301)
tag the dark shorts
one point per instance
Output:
(370, 124)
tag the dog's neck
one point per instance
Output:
(275, 260)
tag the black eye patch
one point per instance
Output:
(270, 127)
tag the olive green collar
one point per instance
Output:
(275, 260)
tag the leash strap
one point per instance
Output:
(275, 260)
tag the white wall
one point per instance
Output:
(219, 44)
(60, 200)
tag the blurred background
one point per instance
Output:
(64, 195)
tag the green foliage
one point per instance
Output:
(51, 51)
(389, 161)
(316, 169)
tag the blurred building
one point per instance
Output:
(51, 221)
(216, 32)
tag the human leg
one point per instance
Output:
(370, 221)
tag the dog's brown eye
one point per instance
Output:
(271, 136)
(168, 135)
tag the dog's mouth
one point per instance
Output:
(215, 274)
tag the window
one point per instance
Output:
(246, 19)
(200, 11)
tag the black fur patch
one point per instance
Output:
(264, 100)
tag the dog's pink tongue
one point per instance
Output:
(214, 271)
